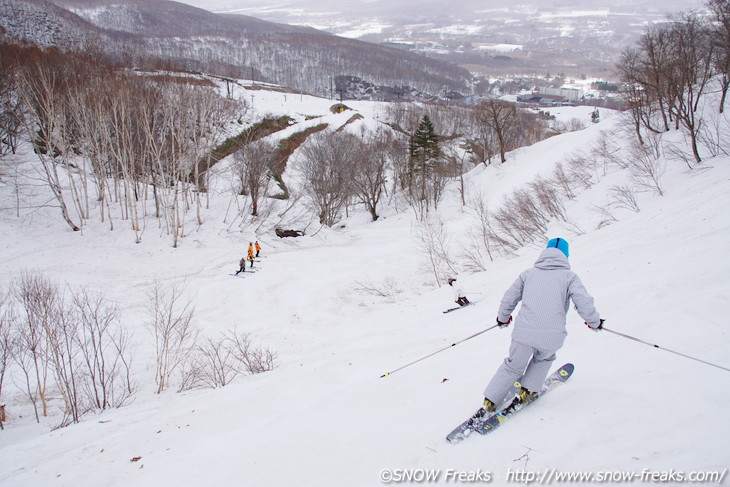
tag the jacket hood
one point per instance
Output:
(552, 258)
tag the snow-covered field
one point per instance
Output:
(325, 416)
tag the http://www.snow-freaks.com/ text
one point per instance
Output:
(549, 476)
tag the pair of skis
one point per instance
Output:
(471, 303)
(484, 423)
(243, 273)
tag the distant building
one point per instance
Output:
(531, 99)
(542, 100)
(568, 94)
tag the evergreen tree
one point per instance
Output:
(424, 149)
(425, 177)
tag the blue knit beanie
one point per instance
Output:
(560, 244)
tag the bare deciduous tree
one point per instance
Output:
(89, 108)
(211, 112)
(721, 38)
(547, 195)
(481, 236)
(62, 349)
(522, 218)
(171, 324)
(693, 51)
(481, 139)
(44, 93)
(456, 166)
(606, 216)
(397, 152)
(78, 343)
(11, 112)
(714, 135)
(105, 353)
(624, 196)
(665, 78)
(388, 288)
(656, 47)
(254, 162)
(433, 242)
(39, 301)
(369, 170)
(564, 180)
(127, 136)
(327, 169)
(7, 341)
(216, 362)
(501, 117)
(607, 150)
(581, 170)
(646, 165)
(253, 359)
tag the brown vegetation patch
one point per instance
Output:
(352, 119)
(289, 145)
(255, 132)
(183, 80)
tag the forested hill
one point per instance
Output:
(232, 45)
(162, 18)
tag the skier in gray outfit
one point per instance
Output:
(545, 291)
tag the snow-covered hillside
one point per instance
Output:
(325, 416)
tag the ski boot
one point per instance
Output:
(488, 407)
(523, 398)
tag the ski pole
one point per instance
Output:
(438, 351)
(665, 349)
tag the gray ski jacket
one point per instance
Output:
(546, 291)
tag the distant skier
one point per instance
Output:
(250, 247)
(241, 265)
(459, 295)
(250, 257)
(258, 248)
(545, 291)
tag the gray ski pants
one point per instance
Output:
(526, 364)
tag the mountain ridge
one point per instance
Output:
(231, 45)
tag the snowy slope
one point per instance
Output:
(325, 417)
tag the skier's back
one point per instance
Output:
(545, 291)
